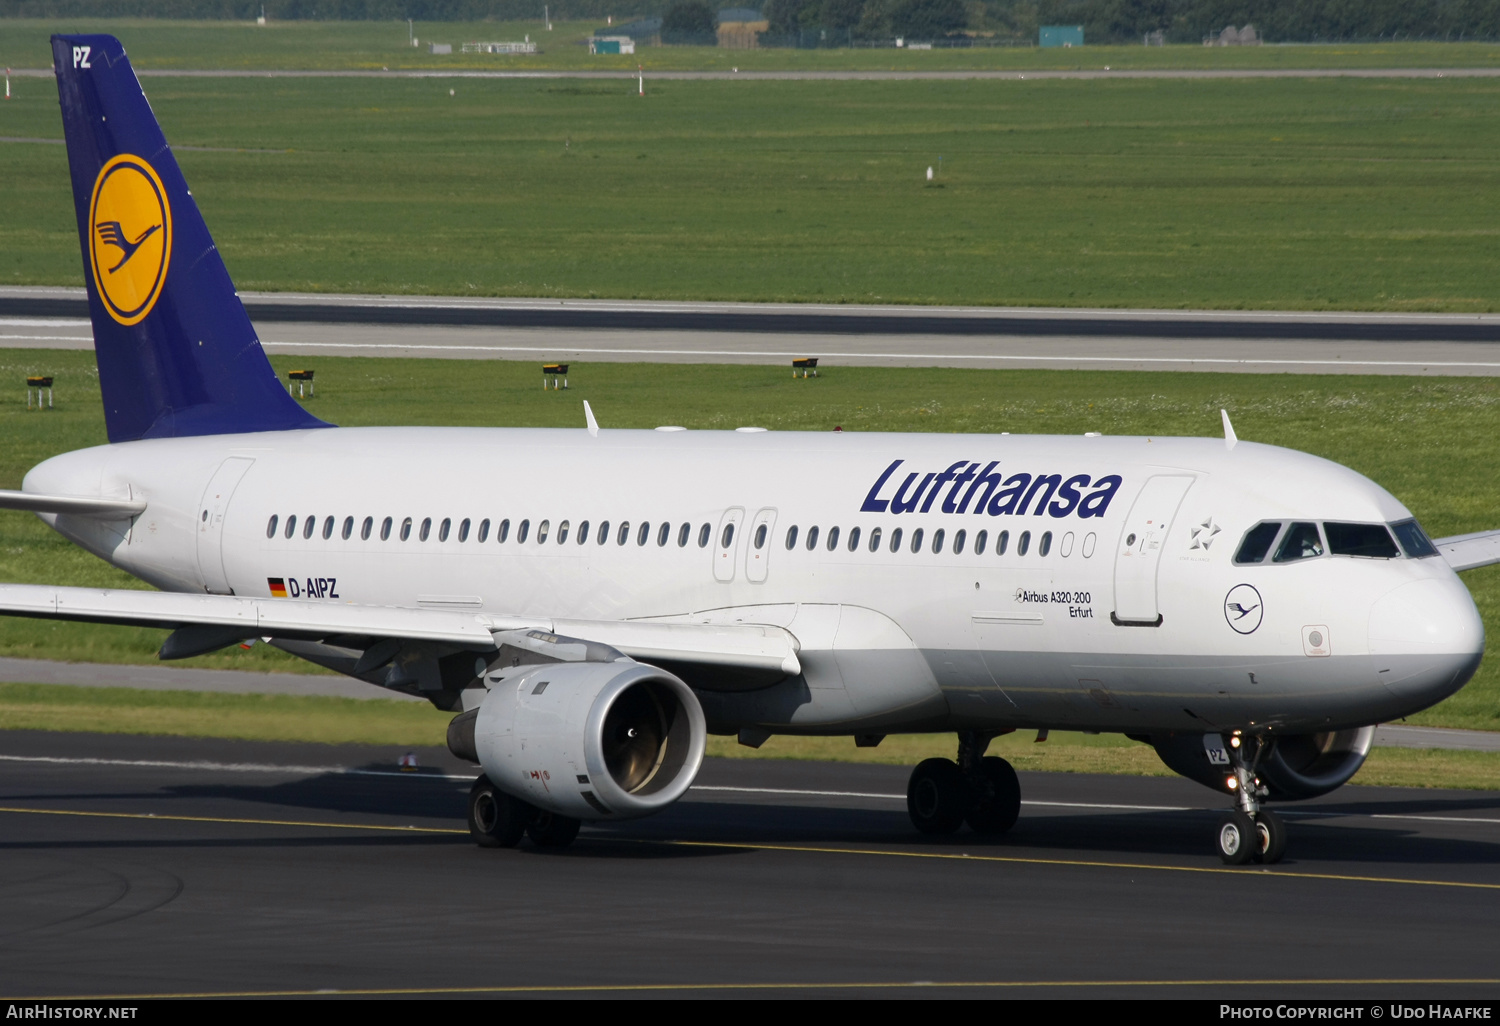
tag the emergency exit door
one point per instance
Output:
(1139, 556)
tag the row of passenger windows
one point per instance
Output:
(1302, 540)
(663, 533)
(642, 532)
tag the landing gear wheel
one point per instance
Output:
(549, 830)
(937, 796)
(1271, 832)
(496, 819)
(1239, 840)
(992, 816)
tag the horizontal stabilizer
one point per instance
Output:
(1470, 551)
(72, 505)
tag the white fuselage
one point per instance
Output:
(931, 638)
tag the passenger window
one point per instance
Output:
(365, 528)
(1257, 542)
(385, 529)
(522, 530)
(683, 534)
(562, 532)
(760, 536)
(1045, 545)
(309, 524)
(426, 528)
(663, 534)
(643, 533)
(853, 539)
(727, 538)
(348, 527)
(1023, 543)
(916, 540)
(291, 525)
(958, 542)
(444, 529)
(271, 526)
(1371, 541)
(623, 535)
(1414, 540)
(463, 530)
(327, 528)
(1002, 543)
(502, 532)
(833, 538)
(541, 531)
(704, 533)
(980, 541)
(895, 539)
(874, 539)
(583, 533)
(406, 529)
(791, 537)
(603, 531)
(484, 531)
(1301, 541)
(812, 537)
(937, 540)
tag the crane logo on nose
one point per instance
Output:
(1243, 608)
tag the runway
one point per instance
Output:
(892, 336)
(180, 866)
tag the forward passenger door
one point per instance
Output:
(1139, 554)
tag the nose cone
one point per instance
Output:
(1428, 639)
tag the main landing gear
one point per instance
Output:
(982, 791)
(499, 820)
(1250, 833)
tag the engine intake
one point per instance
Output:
(1296, 766)
(593, 741)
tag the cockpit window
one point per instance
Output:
(1301, 541)
(1372, 541)
(1414, 540)
(1257, 542)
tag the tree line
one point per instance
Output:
(1104, 21)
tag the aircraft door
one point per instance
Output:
(758, 549)
(726, 543)
(1139, 553)
(211, 512)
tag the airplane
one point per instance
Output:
(592, 603)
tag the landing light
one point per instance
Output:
(1231, 783)
(1234, 742)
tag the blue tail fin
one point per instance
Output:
(177, 353)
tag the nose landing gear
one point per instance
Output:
(983, 791)
(1250, 833)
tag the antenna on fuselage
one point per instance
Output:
(593, 425)
(1230, 438)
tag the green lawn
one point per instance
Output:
(1287, 193)
(373, 45)
(1426, 439)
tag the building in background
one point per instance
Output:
(1062, 35)
(739, 28)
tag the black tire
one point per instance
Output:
(1238, 839)
(993, 815)
(937, 796)
(549, 830)
(1271, 830)
(496, 819)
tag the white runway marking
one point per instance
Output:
(230, 767)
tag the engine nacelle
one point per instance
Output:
(1295, 766)
(599, 740)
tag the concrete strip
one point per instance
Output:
(1392, 735)
(174, 678)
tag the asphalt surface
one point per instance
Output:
(178, 866)
(612, 331)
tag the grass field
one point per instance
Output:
(1285, 193)
(1426, 439)
(355, 45)
(406, 724)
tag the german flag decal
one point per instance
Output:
(278, 586)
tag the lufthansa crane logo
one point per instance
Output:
(130, 237)
(1243, 609)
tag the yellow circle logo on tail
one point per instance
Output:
(130, 237)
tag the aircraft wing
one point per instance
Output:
(74, 505)
(203, 623)
(1470, 551)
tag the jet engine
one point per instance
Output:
(590, 740)
(1292, 767)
